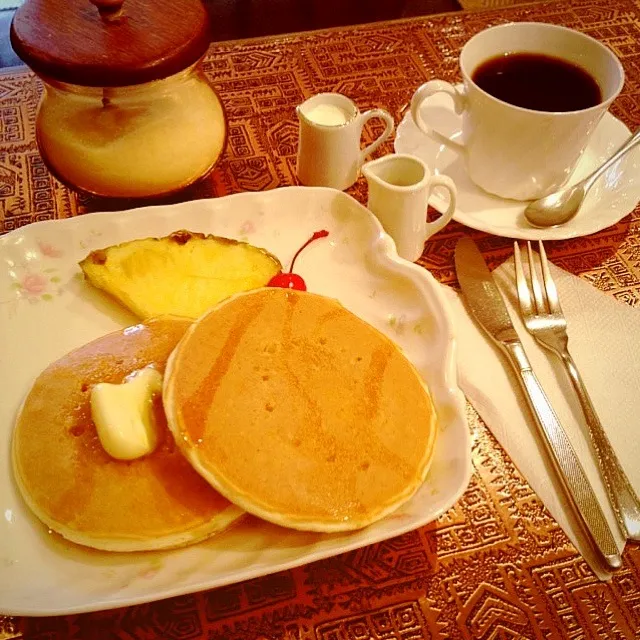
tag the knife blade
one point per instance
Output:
(485, 302)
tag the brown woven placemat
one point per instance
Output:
(478, 5)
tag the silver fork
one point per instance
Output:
(544, 320)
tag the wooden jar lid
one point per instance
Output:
(110, 43)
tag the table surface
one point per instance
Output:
(496, 565)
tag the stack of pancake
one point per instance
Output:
(276, 402)
(71, 483)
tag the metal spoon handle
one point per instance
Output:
(629, 144)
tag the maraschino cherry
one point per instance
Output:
(292, 280)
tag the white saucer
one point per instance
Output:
(613, 196)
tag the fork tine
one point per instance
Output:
(524, 295)
(549, 285)
(538, 294)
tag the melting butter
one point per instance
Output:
(123, 414)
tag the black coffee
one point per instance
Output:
(536, 81)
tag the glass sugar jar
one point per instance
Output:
(126, 110)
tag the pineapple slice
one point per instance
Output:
(182, 274)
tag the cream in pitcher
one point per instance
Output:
(329, 153)
(524, 150)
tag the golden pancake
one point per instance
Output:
(71, 483)
(298, 411)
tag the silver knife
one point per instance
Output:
(485, 302)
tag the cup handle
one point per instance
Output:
(444, 218)
(390, 125)
(426, 91)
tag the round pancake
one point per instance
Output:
(76, 488)
(298, 411)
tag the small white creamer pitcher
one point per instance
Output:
(399, 190)
(329, 153)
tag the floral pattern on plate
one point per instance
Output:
(32, 274)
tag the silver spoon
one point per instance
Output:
(559, 207)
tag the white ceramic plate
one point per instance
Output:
(612, 197)
(46, 309)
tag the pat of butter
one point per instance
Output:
(123, 414)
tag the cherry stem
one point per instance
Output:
(318, 234)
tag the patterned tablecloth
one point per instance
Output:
(496, 565)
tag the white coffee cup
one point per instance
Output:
(511, 151)
(329, 153)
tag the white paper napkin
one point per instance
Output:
(604, 339)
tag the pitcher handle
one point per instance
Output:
(426, 91)
(390, 125)
(444, 218)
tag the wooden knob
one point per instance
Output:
(110, 10)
